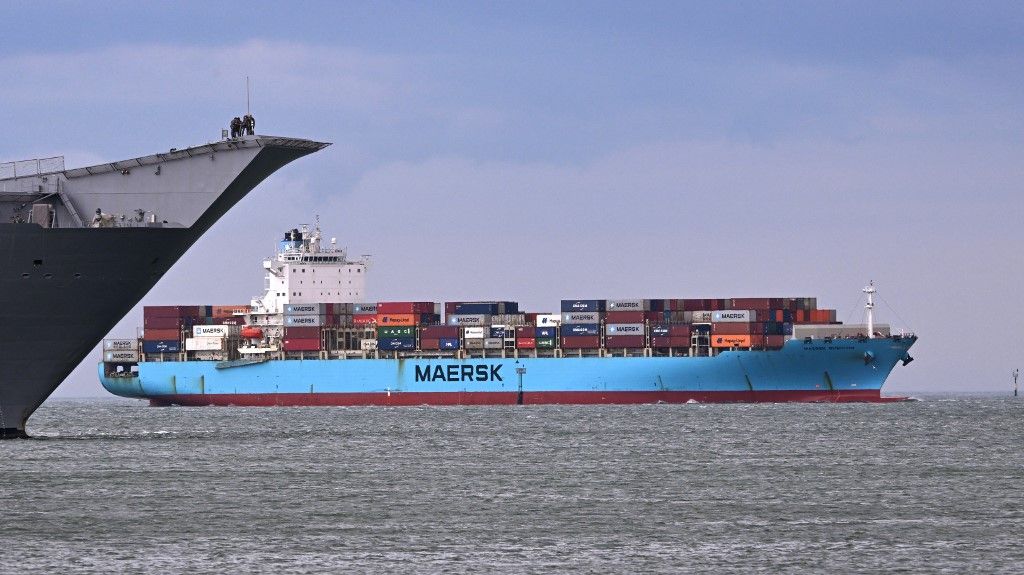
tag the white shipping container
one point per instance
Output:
(628, 305)
(549, 319)
(368, 344)
(624, 329)
(121, 356)
(469, 319)
(734, 315)
(303, 320)
(120, 345)
(701, 316)
(204, 344)
(581, 317)
(214, 330)
(473, 333)
(509, 319)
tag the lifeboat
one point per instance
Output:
(251, 332)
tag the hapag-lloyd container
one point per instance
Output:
(730, 340)
(624, 329)
(549, 319)
(580, 317)
(395, 319)
(735, 315)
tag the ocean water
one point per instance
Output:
(928, 486)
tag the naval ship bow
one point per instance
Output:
(82, 246)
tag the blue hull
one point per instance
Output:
(843, 370)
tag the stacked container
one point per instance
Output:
(581, 323)
(164, 325)
(439, 337)
(397, 323)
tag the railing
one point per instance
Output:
(34, 167)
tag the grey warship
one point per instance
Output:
(82, 246)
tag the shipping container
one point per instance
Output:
(230, 310)
(581, 342)
(494, 343)
(396, 343)
(406, 307)
(161, 334)
(306, 309)
(449, 343)
(364, 308)
(121, 356)
(396, 331)
(736, 315)
(170, 311)
(475, 319)
(204, 344)
(430, 344)
(165, 322)
(364, 320)
(302, 332)
(730, 340)
(583, 305)
(696, 316)
(368, 344)
(497, 331)
(439, 331)
(544, 332)
(670, 341)
(623, 329)
(624, 341)
(296, 344)
(548, 319)
(473, 333)
(671, 330)
(509, 319)
(120, 345)
(628, 305)
(526, 342)
(161, 346)
(733, 328)
(626, 316)
(389, 319)
(304, 320)
(581, 317)
(546, 342)
(581, 329)
(751, 303)
(214, 330)
(474, 343)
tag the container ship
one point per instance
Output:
(313, 339)
(82, 246)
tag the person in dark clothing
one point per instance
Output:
(249, 125)
(236, 127)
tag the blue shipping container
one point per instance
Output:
(582, 305)
(581, 329)
(448, 343)
(544, 332)
(497, 332)
(393, 343)
(161, 346)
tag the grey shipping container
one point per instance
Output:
(469, 319)
(624, 329)
(735, 315)
(120, 345)
(628, 305)
(494, 343)
(581, 317)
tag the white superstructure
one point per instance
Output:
(304, 271)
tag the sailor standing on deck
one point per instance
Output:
(249, 125)
(236, 127)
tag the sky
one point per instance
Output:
(536, 151)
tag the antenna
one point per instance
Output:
(870, 308)
(247, 110)
(1016, 374)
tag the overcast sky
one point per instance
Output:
(548, 150)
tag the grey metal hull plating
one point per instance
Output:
(63, 289)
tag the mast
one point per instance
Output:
(870, 306)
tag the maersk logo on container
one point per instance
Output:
(581, 317)
(455, 372)
(628, 304)
(625, 328)
(734, 315)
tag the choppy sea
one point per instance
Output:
(927, 486)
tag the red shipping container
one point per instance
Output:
(430, 344)
(625, 317)
(774, 341)
(526, 342)
(400, 307)
(153, 334)
(631, 341)
(368, 319)
(526, 331)
(449, 307)
(581, 342)
(439, 331)
(161, 322)
(755, 303)
(531, 318)
(297, 344)
(304, 332)
(170, 311)
(736, 328)
(670, 341)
